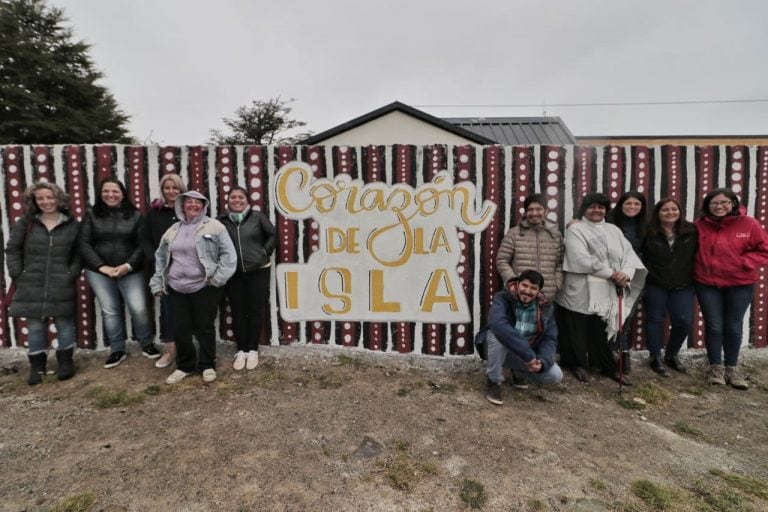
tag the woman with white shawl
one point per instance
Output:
(599, 262)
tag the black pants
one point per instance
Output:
(584, 342)
(248, 293)
(195, 314)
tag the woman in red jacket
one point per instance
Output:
(732, 246)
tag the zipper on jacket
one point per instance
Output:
(47, 267)
(240, 246)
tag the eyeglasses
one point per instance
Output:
(720, 203)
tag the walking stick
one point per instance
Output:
(620, 293)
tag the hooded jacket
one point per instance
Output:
(45, 267)
(730, 250)
(215, 250)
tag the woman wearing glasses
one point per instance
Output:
(732, 246)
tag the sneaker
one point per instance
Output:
(169, 356)
(493, 393)
(114, 359)
(716, 375)
(176, 377)
(150, 351)
(252, 361)
(240, 358)
(734, 378)
(209, 375)
(519, 382)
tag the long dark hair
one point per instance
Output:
(730, 194)
(100, 208)
(618, 218)
(654, 224)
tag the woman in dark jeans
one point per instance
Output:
(42, 257)
(111, 238)
(248, 290)
(160, 217)
(732, 246)
(669, 249)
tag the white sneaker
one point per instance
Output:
(239, 360)
(209, 375)
(252, 361)
(176, 377)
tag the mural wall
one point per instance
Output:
(387, 248)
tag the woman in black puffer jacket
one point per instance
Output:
(42, 258)
(110, 245)
(254, 238)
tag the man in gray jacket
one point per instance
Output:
(535, 243)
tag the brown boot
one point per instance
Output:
(735, 378)
(716, 375)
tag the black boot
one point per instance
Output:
(36, 368)
(66, 366)
(675, 363)
(657, 367)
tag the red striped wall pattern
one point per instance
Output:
(502, 174)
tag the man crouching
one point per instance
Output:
(521, 334)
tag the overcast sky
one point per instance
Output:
(178, 66)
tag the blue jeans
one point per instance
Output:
(132, 289)
(723, 310)
(37, 334)
(679, 305)
(499, 356)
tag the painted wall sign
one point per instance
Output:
(386, 252)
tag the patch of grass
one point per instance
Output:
(630, 404)
(597, 484)
(330, 381)
(104, 398)
(473, 494)
(404, 471)
(714, 498)
(400, 445)
(652, 393)
(404, 391)
(77, 503)
(750, 485)
(345, 360)
(535, 505)
(655, 496)
(683, 428)
(153, 389)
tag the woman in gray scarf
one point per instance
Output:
(598, 264)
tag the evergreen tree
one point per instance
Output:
(261, 123)
(48, 86)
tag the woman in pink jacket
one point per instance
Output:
(732, 246)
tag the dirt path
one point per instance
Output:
(318, 429)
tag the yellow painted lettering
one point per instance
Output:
(431, 296)
(378, 304)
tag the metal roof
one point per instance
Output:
(513, 131)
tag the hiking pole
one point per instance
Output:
(620, 293)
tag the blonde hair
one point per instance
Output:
(176, 179)
(30, 205)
